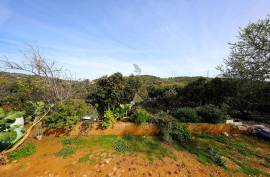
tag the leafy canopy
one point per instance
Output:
(250, 55)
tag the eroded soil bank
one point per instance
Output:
(122, 128)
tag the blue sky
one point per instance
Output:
(97, 37)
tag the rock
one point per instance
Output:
(242, 128)
(108, 160)
(225, 134)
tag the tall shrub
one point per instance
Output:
(186, 114)
(66, 115)
(211, 114)
(140, 116)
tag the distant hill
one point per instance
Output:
(147, 80)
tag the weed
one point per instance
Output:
(71, 140)
(151, 146)
(215, 156)
(202, 157)
(120, 145)
(100, 141)
(65, 152)
(23, 152)
(241, 148)
(247, 169)
(86, 158)
(219, 138)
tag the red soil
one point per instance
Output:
(45, 163)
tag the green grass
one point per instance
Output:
(151, 146)
(231, 144)
(247, 169)
(226, 145)
(86, 159)
(242, 149)
(65, 151)
(106, 141)
(23, 152)
(71, 140)
(120, 145)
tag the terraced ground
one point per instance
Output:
(129, 155)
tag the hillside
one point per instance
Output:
(146, 80)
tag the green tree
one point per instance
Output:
(194, 92)
(66, 114)
(249, 65)
(250, 55)
(112, 91)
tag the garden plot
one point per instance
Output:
(134, 155)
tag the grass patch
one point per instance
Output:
(23, 152)
(229, 147)
(65, 151)
(120, 145)
(206, 154)
(229, 143)
(216, 157)
(71, 140)
(242, 149)
(219, 138)
(151, 146)
(86, 159)
(247, 169)
(106, 141)
(101, 141)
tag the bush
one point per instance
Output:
(215, 156)
(109, 118)
(66, 115)
(25, 151)
(180, 133)
(166, 135)
(175, 131)
(211, 114)
(122, 109)
(186, 114)
(161, 118)
(140, 116)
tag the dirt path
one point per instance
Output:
(107, 163)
